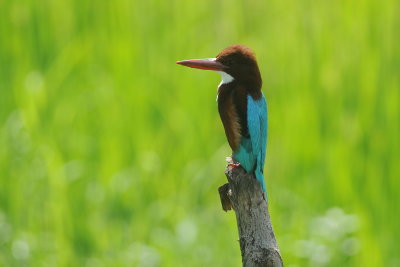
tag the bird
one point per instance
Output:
(241, 106)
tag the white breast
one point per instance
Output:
(226, 78)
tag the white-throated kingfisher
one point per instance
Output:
(241, 106)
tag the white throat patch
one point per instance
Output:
(226, 78)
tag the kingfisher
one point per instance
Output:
(241, 106)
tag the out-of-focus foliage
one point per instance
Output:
(111, 154)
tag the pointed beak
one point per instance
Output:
(204, 64)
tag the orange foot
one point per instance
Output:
(234, 165)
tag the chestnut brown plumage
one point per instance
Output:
(241, 105)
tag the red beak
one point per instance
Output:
(204, 64)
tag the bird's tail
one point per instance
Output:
(260, 177)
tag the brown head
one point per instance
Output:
(235, 63)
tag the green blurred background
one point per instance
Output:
(111, 154)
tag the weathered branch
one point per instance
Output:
(257, 240)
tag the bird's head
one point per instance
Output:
(234, 63)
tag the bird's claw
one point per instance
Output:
(234, 165)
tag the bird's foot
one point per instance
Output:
(234, 165)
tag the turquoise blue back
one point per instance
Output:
(251, 152)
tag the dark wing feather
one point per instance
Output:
(229, 115)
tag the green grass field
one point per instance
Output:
(111, 154)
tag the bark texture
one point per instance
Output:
(257, 239)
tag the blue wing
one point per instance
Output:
(257, 121)
(251, 151)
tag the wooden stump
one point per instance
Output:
(244, 195)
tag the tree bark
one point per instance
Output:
(257, 240)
